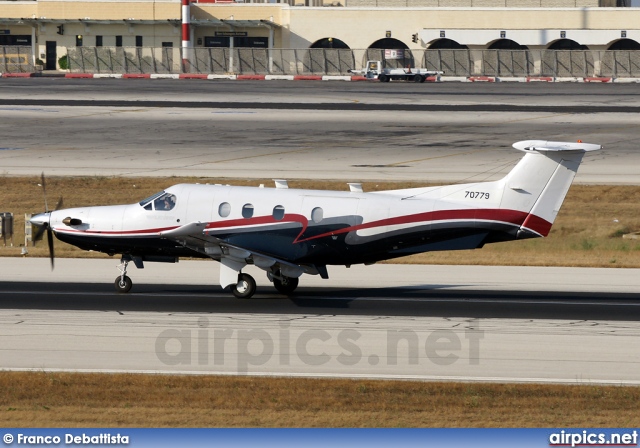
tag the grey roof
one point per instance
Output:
(175, 22)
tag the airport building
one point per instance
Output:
(50, 27)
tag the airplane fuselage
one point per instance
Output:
(320, 227)
(290, 232)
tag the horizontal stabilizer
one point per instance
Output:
(542, 145)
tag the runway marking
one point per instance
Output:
(533, 118)
(110, 112)
(251, 157)
(439, 157)
(214, 295)
(231, 160)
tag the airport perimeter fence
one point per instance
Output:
(16, 59)
(262, 61)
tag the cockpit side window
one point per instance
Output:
(160, 201)
(165, 202)
(146, 201)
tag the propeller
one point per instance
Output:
(43, 222)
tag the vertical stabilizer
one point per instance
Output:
(539, 183)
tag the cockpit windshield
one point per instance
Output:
(159, 201)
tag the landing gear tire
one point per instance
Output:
(123, 284)
(285, 286)
(245, 288)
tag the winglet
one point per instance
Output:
(546, 146)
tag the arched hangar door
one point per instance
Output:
(330, 42)
(446, 44)
(509, 59)
(448, 56)
(566, 44)
(624, 45)
(392, 52)
(506, 44)
(622, 59)
(329, 56)
(567, 58)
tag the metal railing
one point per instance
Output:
(262, 61)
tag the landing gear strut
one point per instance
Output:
(123, 283)
(245, 288)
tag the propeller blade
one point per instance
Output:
(45, 225)
(41, 230)
(50, 241)
(59, 204)
(44, 192)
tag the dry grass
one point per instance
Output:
(107, 400)
(587, 233)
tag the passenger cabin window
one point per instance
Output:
(159, 201)
(278, 212)
(317, 215)
(224, 209)
(247, 211)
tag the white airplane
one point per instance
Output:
(290, 232)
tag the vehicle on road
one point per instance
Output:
(376, 70)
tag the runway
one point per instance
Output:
(559, 325)
(463, 323)
(346, 131)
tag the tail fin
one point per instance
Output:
(539, 183)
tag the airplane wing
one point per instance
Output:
(231, 256)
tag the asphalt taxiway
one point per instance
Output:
(468, 323)
(350, 131)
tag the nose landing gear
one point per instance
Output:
(123, 283)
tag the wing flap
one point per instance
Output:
(232, 256)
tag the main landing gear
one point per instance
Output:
(246, 286)
(285, 285)
(123, 283)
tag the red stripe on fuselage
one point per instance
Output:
(261, 220)
(537, 224)
(514, 217)
(115, 232)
